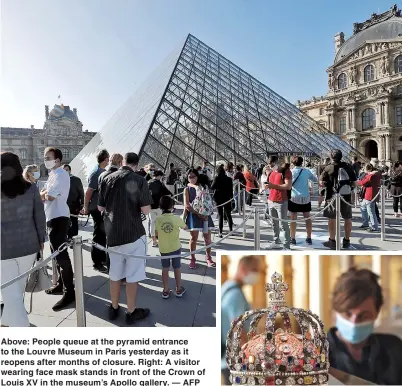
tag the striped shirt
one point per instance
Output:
(122, 194)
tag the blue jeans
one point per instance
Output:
(368, 214)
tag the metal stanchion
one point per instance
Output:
(79, 281)
(256, 229)
(356, 198)
(55, 275)
(383, 193)
(239, 197)
(338, 221)
(244, 214)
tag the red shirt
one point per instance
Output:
(276, 178)
(372, 183)
(250, 180)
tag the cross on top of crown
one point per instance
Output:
(277, 289)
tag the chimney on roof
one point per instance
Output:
(32, 126)
(339, 40)
(75, 111)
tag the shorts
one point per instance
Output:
(131, 268)
(299, 208)
(176, 261)
(346, 210)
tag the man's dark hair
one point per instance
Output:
(238, 168)
(297, 160)
(56, 152)
(166, 203)
(67, 166)
(131, 159)
(369, 167)
(158, 173)
(102, 155)
(355, 286)
(171, 165)
(396, 164)
(273, 159)
(355, 158)
(336, 155)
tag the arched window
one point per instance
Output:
(368, 119)
(398, 64)
(342, 82)
(322, 112)
(23, 153)
(369, 73)
(399, 90)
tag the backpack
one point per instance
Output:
(342, 183)
(202, 202)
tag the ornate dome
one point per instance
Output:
(279, 356)
(384, 30)
(60, 111)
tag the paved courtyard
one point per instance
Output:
(198, 305)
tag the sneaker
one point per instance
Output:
(372, 230)
(293, 241)
(67, 299)
(331, 244)
(266, 222)
(154, 245)
(309, 241)
(220, 235)
(345, 243)
(166, 294)
(363, 227)
(274, 246)
(101, 268)
(114, 312)
(136, 315)
(180, 291)
(55, 290)
(286, 247)
(192, 264)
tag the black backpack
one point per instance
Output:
(342, 182)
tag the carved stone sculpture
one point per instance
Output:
(384, 66)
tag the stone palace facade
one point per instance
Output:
(364, 100)
(62, 129)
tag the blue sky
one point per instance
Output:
(95, 53)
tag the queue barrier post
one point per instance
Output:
(244, 214)
(382, 214)
(55, 275)
(356, 199)
(338, 221)
(257, 229)
(79, 281)
(238, 198)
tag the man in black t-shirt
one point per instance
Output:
(328, 179)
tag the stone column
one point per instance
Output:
(348, 120)
(386, 113)
(353, 119)
(387, 147)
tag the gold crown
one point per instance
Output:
(278, 356)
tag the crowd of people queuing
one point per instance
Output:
(120, 195)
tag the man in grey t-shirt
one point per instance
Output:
(91, 207)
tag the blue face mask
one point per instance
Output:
(354, 333)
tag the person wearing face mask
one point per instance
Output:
(54, 195)
(353, 346)
(31, 174)
(234, 303)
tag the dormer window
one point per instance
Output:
(342, 81)
(369, 73)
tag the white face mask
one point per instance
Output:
(251, 278)
(50, 164)
(36, 175)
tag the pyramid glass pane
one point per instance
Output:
(198, 106)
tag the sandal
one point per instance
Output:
(180, 291)
(192, 264)
(166, 294)
(55, 290)
(211, 263)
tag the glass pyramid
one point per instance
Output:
(199, 105)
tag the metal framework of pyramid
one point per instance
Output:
(199, 106)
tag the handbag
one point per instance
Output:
(38, 280)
